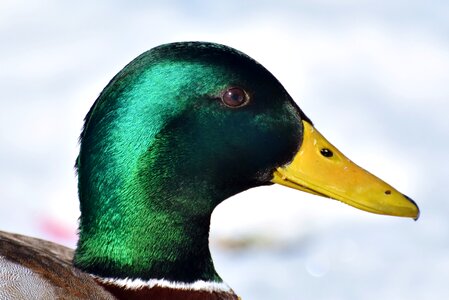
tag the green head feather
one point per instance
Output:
(160, 150)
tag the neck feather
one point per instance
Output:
(147, 244)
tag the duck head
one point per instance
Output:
(180, 129)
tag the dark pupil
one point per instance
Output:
(326, 152)
(234, 97)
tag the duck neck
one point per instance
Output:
(145, 222)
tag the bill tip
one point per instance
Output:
(417, 208)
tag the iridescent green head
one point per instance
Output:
(180, 129)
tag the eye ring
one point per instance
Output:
(235, 97)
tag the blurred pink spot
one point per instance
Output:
(57, 231)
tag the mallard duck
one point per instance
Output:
(181, 128)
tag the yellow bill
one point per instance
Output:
(321, 169)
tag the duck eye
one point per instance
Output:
(326, 152)
(234, 97)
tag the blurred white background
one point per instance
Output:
(372, 75)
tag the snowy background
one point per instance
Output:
(372, 75)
